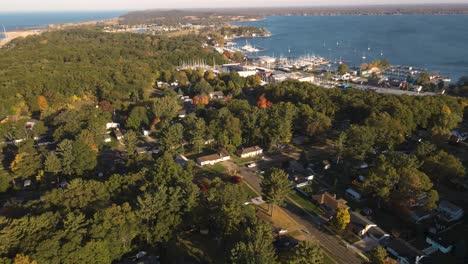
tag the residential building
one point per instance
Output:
(437, 244)
(250, 152)
(450, 212)
(330, 202)
(404, 252)
(216, 95)
(364, 227)
(181, 160)
(212, 159)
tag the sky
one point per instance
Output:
(81, 5)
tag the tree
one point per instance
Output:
(432, 199)
(380, 256)
(166, 107)
(203, 88)
(227, 209)
(256, 247)
(275, 187)
(195, 132)
(263, 102)
(138, 118)
(343, 69)
(306, 252)
(53, 164)
(444, 166)
(171, 137)
(160, 213)
(42, 103)
(423, 79)
(22, 259)
(339, 145)
(130, 142)
(66, 155)
(27, 162)
(85, 158)
(4, 181)
(341, 219)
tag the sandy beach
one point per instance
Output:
(24, 33)
(19, 34)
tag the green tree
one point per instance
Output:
(66, 155)
(138, 118)
(306, 252)
(160, 213)
(341, 219)
(53, 164)
(275, 187)
(380, 256)
(256, 247)
(85, 158)
(343, 69)
(166, 107)
(444, 166)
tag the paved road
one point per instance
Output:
(329, 241)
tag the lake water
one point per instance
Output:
(437, 43)
(22, 20)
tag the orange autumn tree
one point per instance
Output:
(42, 103)
(263, 102)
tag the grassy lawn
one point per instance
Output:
(327, 259)
(306, 203)
(250, 193)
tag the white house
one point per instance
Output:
(212, 159)
(450, 212)
(250, 152)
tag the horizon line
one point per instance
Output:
(237, 7)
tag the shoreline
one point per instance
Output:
(11, 35)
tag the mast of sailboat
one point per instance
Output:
(4, 31)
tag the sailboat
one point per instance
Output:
(364, 56)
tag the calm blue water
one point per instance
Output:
(438, 43)
(21, 20)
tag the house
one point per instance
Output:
(330, 202)
(118, 134)
(212, 159)
(107, 139)
(216, 95)
(112, 126)
(450, 212)
(364, 227)
(420, 214)
(353, 194)
(250, 152)
(404, 252)
(437, 244)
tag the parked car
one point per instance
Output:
(251, 165)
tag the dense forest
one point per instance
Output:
(84, 207)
